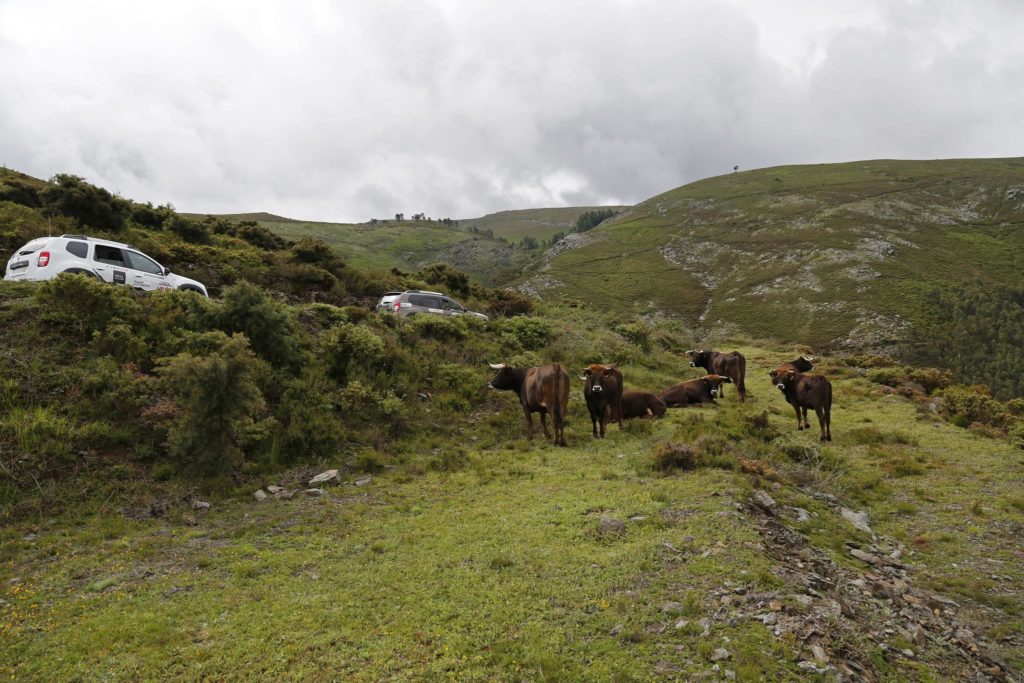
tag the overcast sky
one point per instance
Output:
(347, 110)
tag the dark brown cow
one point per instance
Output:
(801, 364)
(543, 390)
(732, 365)
(602, 388)
(641, 404)
(703, 390)
(808, 391)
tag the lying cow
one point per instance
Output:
(808, 391)
(602, 389)
(543, 390)
(694, 391)
(732, 365)
(641, 404)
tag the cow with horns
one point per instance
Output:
(807, 391)
(543, 390)
(732, 365)
(602, 389)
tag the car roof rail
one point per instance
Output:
(76, 237)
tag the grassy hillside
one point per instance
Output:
(411, 245)
(540, 224)
(824, 254)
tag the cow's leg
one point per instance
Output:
(544, 423)
(593, 420)
(807, 423)
(799, 423)
(820, 412)
(529, 423)
(828, 424)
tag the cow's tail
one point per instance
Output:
(741, 384)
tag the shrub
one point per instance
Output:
(441, 327)
(266, 323)
(93, 208)
(187, 229)
(307, 421)
(635, 333)
(509, 302)
(346, 347)
(527, 334)
(317, 252)
(84, 303)
(217, 401)
(443, 275)
(889, 376)
(672, 455)
(259, 236)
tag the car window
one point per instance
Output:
(425, 301)
(144, 263)
(79, 249)
(450, 305)
(111, 255)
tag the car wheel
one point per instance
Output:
(189, 288)
(81, 271)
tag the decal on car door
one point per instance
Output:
(119, 276)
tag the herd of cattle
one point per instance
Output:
(545, 390)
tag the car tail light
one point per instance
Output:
(398, 305)
(44, 259)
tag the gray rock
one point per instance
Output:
(314, 492)
(200, 505)
(260, 495)
(328, 477)
(858, 519)
(672, 608)
(284, 494)
(275, 489)
(770, 619)
(762, 500)
(682, 623)
(616, 630)
(363, 481)
(819, 653)
(863, 556)
(719, 654)
(610, 525)
(800, 514)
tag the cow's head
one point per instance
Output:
(714, 383)
(594, 377)
(505, 378)
(698, 358)
(783, 379)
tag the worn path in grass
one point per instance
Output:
(498, 570)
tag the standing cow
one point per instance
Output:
(641, 404)
(694, 391)
(808, 391)
(543, 390)
(801, 364)
(732, 365)
(602, 388)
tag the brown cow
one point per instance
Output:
(801, 364)
(703, 390)
(808, 391)
(543, 390)
(641, 404)
(602, 388)
(732, 365)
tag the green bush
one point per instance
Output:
(889, 376)
(347, 347)
(636, 333)
(93, 208)
(509, 302)
(217, 400)
(265, 322)
(524, 334)
(308, 426)
(440, 327)
(84, 304)
(673, 455)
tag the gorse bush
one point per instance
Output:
(266, 323)
(218, 401)
(84, 304)
(347, 347)
(526, 334)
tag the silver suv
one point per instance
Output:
(414, 301)
(45, 258)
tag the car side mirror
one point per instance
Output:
(167, 271)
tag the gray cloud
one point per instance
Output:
(344, 111)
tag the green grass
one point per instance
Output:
(541, 224)
(494, 569)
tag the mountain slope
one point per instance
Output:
(837, 253)
(540, 224)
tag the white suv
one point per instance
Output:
(120, 264)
